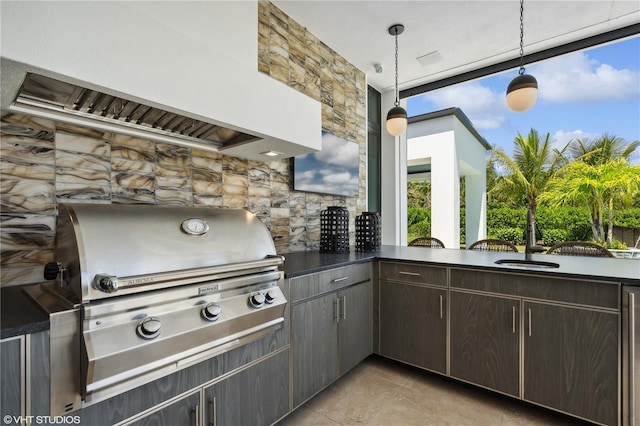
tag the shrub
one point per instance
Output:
(629, 218)
(553, 236)
(618, 245)
(513, 235)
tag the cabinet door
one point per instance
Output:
(258, 395)
(413, 326)
(314, 343)
(183, 412)
(12, 383)
(571, 360)
(355, 325)
(484, 341)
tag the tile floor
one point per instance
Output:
(384, 392)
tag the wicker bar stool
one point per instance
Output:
(427, 242)
(579, 248)
(493, 245)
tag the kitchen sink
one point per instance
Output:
(527, 263)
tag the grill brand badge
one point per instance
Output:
(207, 289)
(139, 281)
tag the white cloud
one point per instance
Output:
(576, 78)
(335, 151)
(484, 106)
(561, 137)
(337, 178)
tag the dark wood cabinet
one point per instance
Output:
(413, 324)
(356, 325)
(314, 345)
(185, 412)
(331, 327)
(257, 395)
(12, 370)
(571, 360)
(551, 341)
(485, 341)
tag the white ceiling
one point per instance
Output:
(467, 34)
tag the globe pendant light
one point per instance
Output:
(397, 116)
(523, 90)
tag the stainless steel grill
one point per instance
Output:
(154, 289)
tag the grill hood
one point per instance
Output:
(142, 247)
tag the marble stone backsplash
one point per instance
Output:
(44, 163)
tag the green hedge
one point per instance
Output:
(553, 224)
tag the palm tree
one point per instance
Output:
(613, 184)
(529, 172)
(602, 150)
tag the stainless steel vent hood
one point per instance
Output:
(40, 95)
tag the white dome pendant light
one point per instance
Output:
(397, 116)
(523, 90)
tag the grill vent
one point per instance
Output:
(46, 93)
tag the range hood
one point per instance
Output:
(62, 101)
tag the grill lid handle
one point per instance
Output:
(53, 269)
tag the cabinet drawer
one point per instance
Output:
(413, 273)
(326, 281)
(602, 294)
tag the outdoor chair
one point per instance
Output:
(427, 242)
(493, 245)
(579, 248)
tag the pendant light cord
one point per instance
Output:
(521, 71)
(397, 102)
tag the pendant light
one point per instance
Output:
(397, 116)
(523, 90)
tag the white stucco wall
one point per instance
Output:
(473, 155)
(453, 151)
(393, 181)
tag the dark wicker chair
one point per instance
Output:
(427, 242)
(579, 248)
(493, 245)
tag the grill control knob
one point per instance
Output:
(256, 300)
(270, 296)
(105, 283)
(211, 312)
(149, 328)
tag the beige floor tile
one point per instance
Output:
(380, 392)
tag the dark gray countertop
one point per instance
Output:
(21, 315)
(626, 271)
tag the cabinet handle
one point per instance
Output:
(344, 307)
(441, 307)
(514, 319)
(212, 405)
(196, 412)
(414, 274)
(337, 280)
(529, 322)
(632, 359)
(336, 310)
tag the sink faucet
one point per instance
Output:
(530, 236)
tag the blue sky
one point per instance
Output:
(580, 95)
